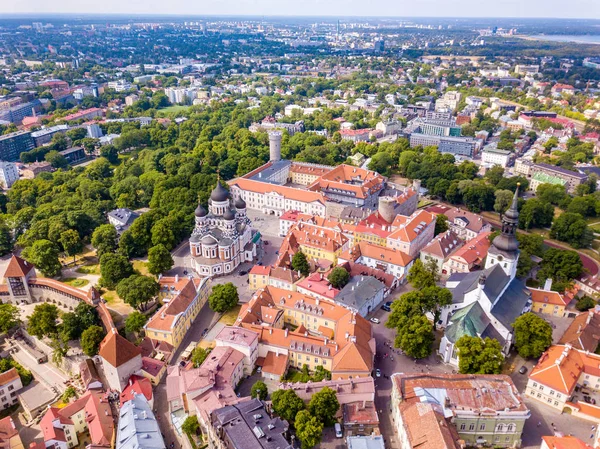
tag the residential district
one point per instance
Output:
(272, 234)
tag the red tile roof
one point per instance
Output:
(17, 267)
(137, 385)
(117, 350)
(8, 376)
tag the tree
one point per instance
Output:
(562, 266)
(308, 429)
(259, 390)
(585, 303)
(70, 328)
(56, 159)
(300, 263)
(87, 314)
(71, 242)
(8, 363)
(105, 239)
(9, 317)
(441, 224)
(223, 297)
(324, 405)
(159, 259)
(477, 356)
(69, 393)
(573, 229)
(421, 276)
(338, 277)
(43, 254)
(287, 404)
(191, 426)
(494, 174)
(533, 335)
(135, 321)
(114, 268)
(199, 356)
(137, 290)
(42, 321)
(416, 339)
(90, 340)
(503, 200)
(60, 349)
(536, 213)
(6, 239)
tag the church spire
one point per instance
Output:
(507, 240)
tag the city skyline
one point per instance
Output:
(379, 8)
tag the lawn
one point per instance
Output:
(229, 318)
(76, 282)
(89, 269)
(111, 297)
(141, 266)
(174, 108)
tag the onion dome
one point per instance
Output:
(200, 211)
(229, 215)
(240, 203)
(220, 193)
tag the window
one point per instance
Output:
(551, 392)
(482, 427)
(534, 384)
(462, 426)
(472, 427)
(11, 387)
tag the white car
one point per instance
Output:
(378, 372)
(375, 320)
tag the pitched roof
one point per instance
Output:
(17, 267)
(549, 297)
(565, 442)
(117, 350)
(290, 193)
(560, 367)
(444, 245)
(181, 292)
(8, 376)
(583, 332)
(408, 229)
(426, 427)
(7, 430)
(475, 250)
(137, 385)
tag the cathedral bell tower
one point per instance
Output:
(504, 250)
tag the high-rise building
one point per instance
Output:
(13, 144)
(8, 174)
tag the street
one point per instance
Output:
(44, 372)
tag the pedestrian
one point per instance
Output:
(552, 424)
(593, 427)
(539, 423)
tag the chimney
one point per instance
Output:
(548, 284)
(270, 331)
(176, 278)
(286, 332)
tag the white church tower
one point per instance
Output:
(504, 250)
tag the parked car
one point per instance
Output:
(523, 370)
(377, 372)
(243, 272)
(338, 430)
(375, 320)
(386, 308)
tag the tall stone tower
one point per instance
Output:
(275, 145)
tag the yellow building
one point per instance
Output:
(258, 277)
(325, 334)
(183, 298)
(549, 302)
(316, 242)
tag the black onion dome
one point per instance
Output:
(229, 215)
(220, 193)
(200, 211)
(240, 203)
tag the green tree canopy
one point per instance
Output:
(324, 405)
(416, 338)
(90, 340)
(104, 239)
(562, 266)
(309, 429)
(114, 268)
(441, 224)
(42, 321)
(223, 297)
(199, 356)
(135, 321)
(477, 356)
(533, 335)
(573, 229)
(9, 317)
(259, 390)
(422, 275)
(287, 404)
(300, 263)
(159, 259)
(71, 242)
(338, 277)
(43, 254)
(137, 290)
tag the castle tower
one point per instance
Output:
(386, 208)
(504, 250)
(275, 145)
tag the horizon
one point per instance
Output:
(462, 9)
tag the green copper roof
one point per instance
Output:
(470, 321)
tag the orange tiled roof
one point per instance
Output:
(8, 376)
(17, 267)
(408, 229)
(377, 252)
(184, 294)
(565, 442)
(548, 297)
(474, 250)
(117, 350)
(291, 193)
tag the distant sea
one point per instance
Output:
(580, 38)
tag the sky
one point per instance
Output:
(589, 9)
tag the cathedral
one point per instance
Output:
(486, 303)
(223, 237)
